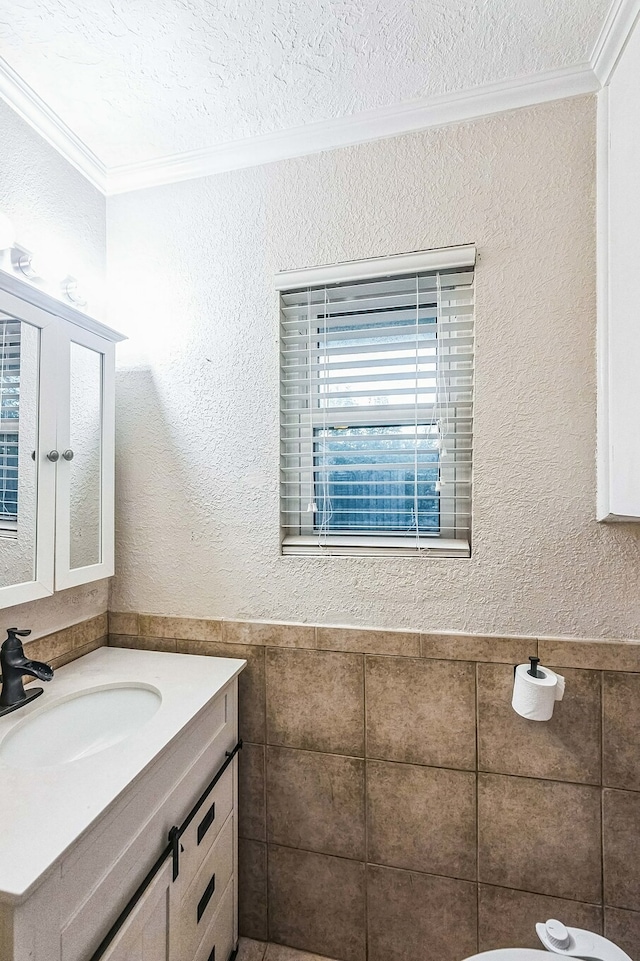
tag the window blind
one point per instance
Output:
(377, 414)
(9, 419)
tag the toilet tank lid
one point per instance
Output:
(512, 954)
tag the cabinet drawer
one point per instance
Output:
(203, 896)
(199, 837)
(217, 944)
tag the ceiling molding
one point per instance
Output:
(48, 124)
(377, 124)
(615, 32)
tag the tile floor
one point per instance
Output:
(250, 950)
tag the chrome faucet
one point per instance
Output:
(14, 665)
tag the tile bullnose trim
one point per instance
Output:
(592, 654)
(597, 654)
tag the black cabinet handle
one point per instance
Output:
(206, 822)
(206, 897)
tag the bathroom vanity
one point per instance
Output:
(118, 793)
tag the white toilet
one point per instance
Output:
(511, 954)
(559, 941)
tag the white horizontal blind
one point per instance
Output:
(9, 419)
(377, 395)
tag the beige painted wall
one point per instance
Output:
(191, 268)
(55, 210)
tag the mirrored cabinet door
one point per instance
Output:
(85, 443)
(27, 478)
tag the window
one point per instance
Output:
(377, 393)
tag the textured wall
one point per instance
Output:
(55, 211)
(197, 488)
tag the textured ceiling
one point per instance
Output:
(137, 80)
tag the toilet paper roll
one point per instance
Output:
(534, 697)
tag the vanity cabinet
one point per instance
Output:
(123, 891)
(57, 371)
(191, 917)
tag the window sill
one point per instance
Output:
(345, 546)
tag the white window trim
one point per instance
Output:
(444, 258)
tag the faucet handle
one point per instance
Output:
(13, 633)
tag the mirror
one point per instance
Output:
(19, 379)
(85, 476)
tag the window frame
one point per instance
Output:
(309, 541)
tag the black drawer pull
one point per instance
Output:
(212, 956)
(206, 897)
(206, 822)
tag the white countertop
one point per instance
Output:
(45, 810)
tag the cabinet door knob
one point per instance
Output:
(67, 454)
(53, 456)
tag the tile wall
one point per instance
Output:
(393, 806)
(69, 643)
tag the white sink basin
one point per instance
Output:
(79, 726)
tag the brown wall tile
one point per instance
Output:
(268, 634)
(315, 701)
(251, 688)
(590, 655)
(123, 623)
(507, 919)
(566, 748)
(621, 813)
(623, 928)
(422, 818)
(473, 647)
(252, 792)
(82, 637)
(317, 903)
(252, 889)
(368, 642)
(90, 630)
(416, 916)
(49, 648)
(166, 644)
(73, 655)
(421, 711)
(316, 802)
(185, 628)
(540, 836)
(621, 731)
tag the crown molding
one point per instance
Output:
(616, 30)
(377, 124)
(48, 124)
(381, 123)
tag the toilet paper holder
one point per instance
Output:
(533, 670)
(536, 690)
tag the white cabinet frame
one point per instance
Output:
(61, 325)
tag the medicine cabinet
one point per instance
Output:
(57, 368)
